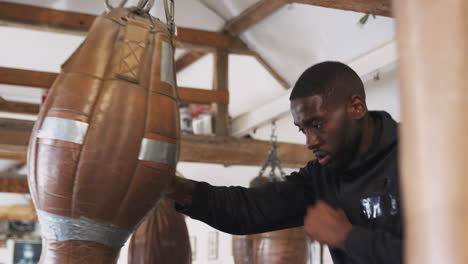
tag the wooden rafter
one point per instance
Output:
(29, 14)
(28, 78)
(272, 71)
(51, 19)
(187, 59)
(12, 185)
(239, 24)
(13, 152)
(248, 18)
(13, 168)
(15, 132)
(18, 107)
(220, 83)
(376, 7)
(252, 15)
(45, 79)
(193, 148)
(18, 213)
(201, 96)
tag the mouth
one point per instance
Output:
(323, 158)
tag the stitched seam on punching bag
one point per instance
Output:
(162, 39)
(132, 52)
(90, 121)
(124, 197)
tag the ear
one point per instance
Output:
(357, 107)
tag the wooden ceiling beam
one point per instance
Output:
(248, 18)
(51, 19)
(15, 132)
(202, 96)
(203, 38)
(188, 58)
(273, 72)
(45, 80)
(11, 185)
(47, 19)
(41, 16)
(236, 151)
(375, 7)
(252, 15)
(193, 148)
(37, 79)
(18, 107)
(13, 152)
(221, 83)
(18, 213)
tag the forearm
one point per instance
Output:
(239, 210)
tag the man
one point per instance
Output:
(347, 198)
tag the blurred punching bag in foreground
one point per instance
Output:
(105, 144)
(162, 238)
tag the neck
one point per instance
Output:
(367, 136)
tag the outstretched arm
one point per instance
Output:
(239, 210)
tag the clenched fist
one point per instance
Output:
(327, 225)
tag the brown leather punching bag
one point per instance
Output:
(288, 246)
(105, 144)
(162, 238)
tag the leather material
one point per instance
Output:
(113, 83)
(277, 247)
(162, 238)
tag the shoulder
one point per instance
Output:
(312, 169)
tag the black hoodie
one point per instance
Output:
(368, 191)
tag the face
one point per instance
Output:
(331, 132)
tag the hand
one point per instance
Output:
(327, 225)
(181, 191)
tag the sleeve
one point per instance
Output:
(241, 211)
(374, 246)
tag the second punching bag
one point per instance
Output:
(277, 247)
(105, 144)
(162, 238)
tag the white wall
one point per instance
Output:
(6, 254)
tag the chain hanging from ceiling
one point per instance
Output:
(144, 6)
(276, 171)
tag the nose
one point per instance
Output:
(312, 140)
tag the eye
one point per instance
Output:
(318, 125)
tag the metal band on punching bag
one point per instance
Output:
(105, 144)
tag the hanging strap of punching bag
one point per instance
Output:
(143, 5)
(169, 10)
(109, 6)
